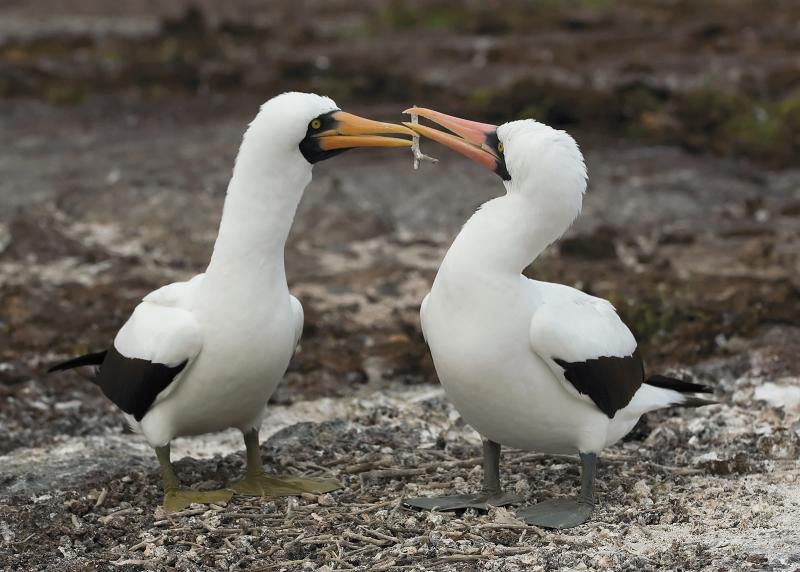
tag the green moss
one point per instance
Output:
(64, 93)
(755, 128)
(733, 123)
(400, 15)
(709, 108)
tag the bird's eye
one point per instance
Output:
(500, 147)
(316, 124)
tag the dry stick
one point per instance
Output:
(144, 543)
(213, 530)
(24, 540)
(418, 155)
(366, 466)
(495, 526)
(462, 558)
(513, 550)
(338, 560)
(275, 565)
(130, 562)
(614, 459)
(369, 508)
(419, 470)
(383, 536)
(382, 565)
(101, 498)
(106, 519)
(362, 538)
(321, 539)
(258, 515)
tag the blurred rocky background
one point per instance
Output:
(119, 123)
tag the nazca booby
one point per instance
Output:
(207, 354)
(530, 364)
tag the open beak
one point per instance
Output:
(474, 140)
(349, 131)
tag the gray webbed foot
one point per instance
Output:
(557, 513)
(492, 494)
(462, 502)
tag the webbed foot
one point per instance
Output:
(557, 513)
(461, 502)
(261, 485)
(179, 499)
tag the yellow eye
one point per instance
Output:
(500, 147)
(316, 124)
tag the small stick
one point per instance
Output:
(101, 498)
(419, 155)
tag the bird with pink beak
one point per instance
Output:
(530, 364)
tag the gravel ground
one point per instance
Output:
(714, 488)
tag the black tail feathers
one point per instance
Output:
(686, 387)
(95, 358)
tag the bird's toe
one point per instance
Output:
(179, 499)
(266, 486)
(462, 502)
(557, 513)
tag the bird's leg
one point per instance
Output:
(566, 513)
(491, 494)
(176, 498)
(256, 483)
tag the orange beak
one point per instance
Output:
(352, 131)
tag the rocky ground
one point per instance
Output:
(115, 161)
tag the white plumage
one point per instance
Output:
(207, 354)
(236, 324)
(529, 364)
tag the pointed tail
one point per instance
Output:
(95, 358)
(685, 390)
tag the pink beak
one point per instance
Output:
(471, 139)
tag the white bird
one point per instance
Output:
(530, 364)
(206, 354)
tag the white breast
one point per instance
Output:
(479, 343)
(245, 355)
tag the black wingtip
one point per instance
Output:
(692, 401)
(95, 358)
(677, 384)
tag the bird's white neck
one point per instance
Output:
(505, 235)
(260, 206)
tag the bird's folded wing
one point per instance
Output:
(150, 351)
(589, 349)
(297, 310)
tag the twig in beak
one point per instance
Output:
(419, 155)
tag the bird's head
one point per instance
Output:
(316, 127)
(532, 158)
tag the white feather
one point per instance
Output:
(237, 324)
(160, 334)
(493, 333)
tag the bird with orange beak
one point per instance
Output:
(206, 354)
(530, 364)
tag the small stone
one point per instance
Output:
(604, 561)
(641, 490)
